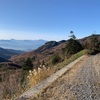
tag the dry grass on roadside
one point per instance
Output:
(36, 76)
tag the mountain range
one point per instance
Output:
(42, 53)
(24, 45)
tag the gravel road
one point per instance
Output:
(82, 82)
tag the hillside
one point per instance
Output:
(49, 45)
(85, 40)
(42, 53)
(7, 53)
(47, 50)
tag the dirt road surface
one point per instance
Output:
(82, 82)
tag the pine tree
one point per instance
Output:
(73, 46)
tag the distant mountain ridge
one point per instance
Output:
(24, 45)
(49, 45)
(7, 53)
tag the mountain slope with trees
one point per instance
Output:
(51, 48)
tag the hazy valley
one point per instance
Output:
(23, 45)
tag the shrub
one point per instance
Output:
(55, 59)
(28, 64)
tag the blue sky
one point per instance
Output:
(48, 19)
